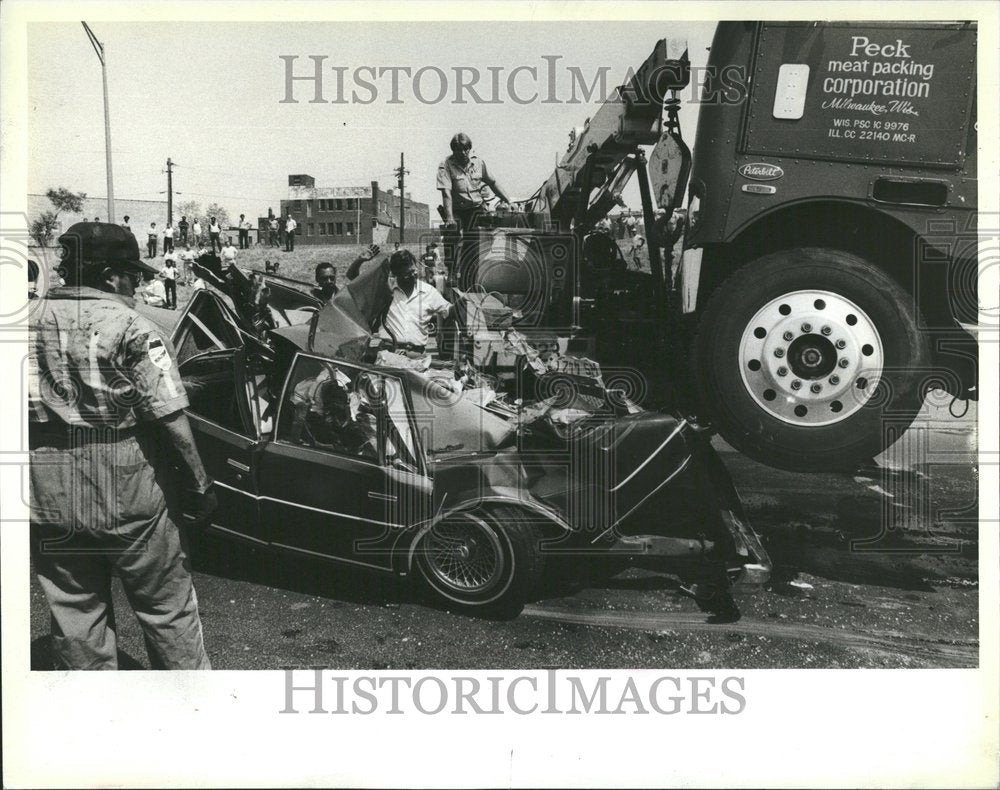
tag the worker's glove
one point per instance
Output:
(201, 504)
(452, 225)
(371, 251)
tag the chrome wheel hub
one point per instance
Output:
(811, 358)
(464, 553)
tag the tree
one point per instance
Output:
(220, 214)
(64, 200)
(190, 209)
(43, 227)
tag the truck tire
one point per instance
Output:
(811, 359)
(485, 561)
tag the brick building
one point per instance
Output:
(352, 215)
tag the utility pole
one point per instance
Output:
(99, 49)
(401, 173)
(170, 192)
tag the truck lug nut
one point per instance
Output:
(816, 388)
(841, 344)
(779, 352)
(782, 371)
(796, 384)
(788, 336)
(835, 379)
(807, 328)
(843, 362)
(826, 330)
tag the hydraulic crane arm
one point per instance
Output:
(601, 155)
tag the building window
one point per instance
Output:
(350, 204)
(309, 208)
(296, 205)
(340, 204)
(340, 228)
(350, 228)
(310, 229)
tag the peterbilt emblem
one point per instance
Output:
(761, 171)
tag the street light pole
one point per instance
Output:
(99, 49)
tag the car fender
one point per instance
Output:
(498, 495)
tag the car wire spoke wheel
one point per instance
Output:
(811, 358)
(485, 561)
(465, 554)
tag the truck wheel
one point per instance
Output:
(485, 561)
(810, 359)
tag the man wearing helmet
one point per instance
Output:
(105, 405)
(462, 179)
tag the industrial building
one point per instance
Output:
(352, 215)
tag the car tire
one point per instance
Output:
(810, 359)
(484, 561)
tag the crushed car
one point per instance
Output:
(325, 442)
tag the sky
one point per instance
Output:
(210, 97)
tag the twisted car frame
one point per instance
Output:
(471, 495)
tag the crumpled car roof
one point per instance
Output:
(342, 327)
(447, 421)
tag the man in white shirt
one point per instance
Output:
(244, 228)
(414, 305)
(196, 230)
(169, 275)
(215, 235)
(229, 252)
(187, 258)
(153, 292)
(290, 226)
(153, 236)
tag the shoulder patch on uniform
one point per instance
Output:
(156, 349)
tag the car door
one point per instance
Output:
(226, 401)
(224, 416)
(206, 324)
(337, 493)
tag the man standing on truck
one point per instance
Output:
(461, 179)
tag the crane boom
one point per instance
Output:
(600, 155)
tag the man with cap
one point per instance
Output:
(107, 433)
(461, 179)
